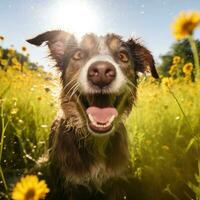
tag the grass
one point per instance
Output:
(163, 130)
(27, 106)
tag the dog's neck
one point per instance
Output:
(90, 157)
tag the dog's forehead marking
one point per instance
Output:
(102, 46)
(89, 41)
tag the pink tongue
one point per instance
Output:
(102, 115)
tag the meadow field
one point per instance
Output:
(163, 127)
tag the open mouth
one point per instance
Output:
(101, 113)
(101, 119)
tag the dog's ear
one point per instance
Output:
(143, 58)
(58, 42)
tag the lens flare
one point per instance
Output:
(77, 16)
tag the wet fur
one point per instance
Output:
(79, 165)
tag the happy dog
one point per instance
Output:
(88, 150)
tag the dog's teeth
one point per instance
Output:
(101, 125)
(111, 119)
(92, 119)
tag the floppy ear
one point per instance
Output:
(143, 58)
(58, 42)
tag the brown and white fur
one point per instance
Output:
(88, 148)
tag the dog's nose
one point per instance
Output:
(101, 73)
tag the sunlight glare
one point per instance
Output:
(75, 16)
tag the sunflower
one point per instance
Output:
(185, 23)
(187, 68)
(173, 69)
(30, 188)
(24, 48)
(11, 52)
(4, 62)
(166, 83)
(15, 61)
(176, 60)
(1, 37)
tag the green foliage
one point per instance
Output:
(27, 107)
(163, 128)
(195, 188)
(10, 57)
(180, 48)
(159, 135)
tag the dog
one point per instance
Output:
(88, 147)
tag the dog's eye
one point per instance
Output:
(78, 55)
(123, 56)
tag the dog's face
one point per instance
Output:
(99, 76)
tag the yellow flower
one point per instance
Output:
(44, 126)
(24, 48)
(1, 101)
(176, 59)
(20, 121)
(187, 78)
(173, 69)
(11, 51)
(1, 37)
(4, 62)
(14, 61)
(39, 98)
(165, 147)
(185, 23)
(187, 68)
(30, 188)
(17, 67)
(14, 111)
(166, 82)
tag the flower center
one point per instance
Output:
(188, 27)
(30, 194)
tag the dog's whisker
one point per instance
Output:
(130, 90)
(71, 81)
(131, 83)
(78, 97)
(88, 140)
(74, 91)
(71, 89)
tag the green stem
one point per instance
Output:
(4, 126)
(3, 179)
(179, 105)
(2, 133)
(199, 171)
(195, 55)
(167, 189)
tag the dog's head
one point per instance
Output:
(99, 76)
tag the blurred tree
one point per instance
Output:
(180, 48)
(8, 54)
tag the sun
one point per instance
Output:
(76, 16)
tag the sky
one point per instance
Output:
(149, 20)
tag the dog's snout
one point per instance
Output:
(101, 73)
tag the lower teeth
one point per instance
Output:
(101, 125)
